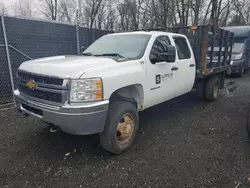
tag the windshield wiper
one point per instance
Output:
(87, 54)
(112, 55)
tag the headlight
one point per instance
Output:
(86, 90)
(238, 57)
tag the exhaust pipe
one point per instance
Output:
(25, 115)
(54, 129)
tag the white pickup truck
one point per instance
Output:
(102, 90)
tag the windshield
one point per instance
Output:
(238, 47)
(130, 46)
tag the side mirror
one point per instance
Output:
(168, 56)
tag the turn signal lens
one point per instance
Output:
(98, 84)
(99, 95)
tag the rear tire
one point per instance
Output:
(121, 127)
(200, 89)
(212, 88)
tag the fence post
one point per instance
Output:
(77, 40)
(77, 31)
(8, 58)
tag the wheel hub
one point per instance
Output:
(216, 90)
(125, 128)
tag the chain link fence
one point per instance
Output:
(24, 39)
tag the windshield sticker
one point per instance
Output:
(164, 77)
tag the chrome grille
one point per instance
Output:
(43, 95)
(40, 79)
(47, 89)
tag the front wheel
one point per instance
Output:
(121, 127)
(242, 71)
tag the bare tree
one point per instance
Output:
(50, 9)
(216, 12)
(22, 8)
(110, 19)
(207, 12)
(67, 9)
(183, 11)
(133, 14)
(128, 15)
(242, 11)
(3, 10)
(101, 15)
(196, 9)
(226, 13)
(90, 11)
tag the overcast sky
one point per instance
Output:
(7, 2)
(10, 10)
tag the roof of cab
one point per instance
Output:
(239, 31)
(134, 32)
(146, 33)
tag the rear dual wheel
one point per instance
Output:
(208, 90)
(212, 88)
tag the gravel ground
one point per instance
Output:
(182, 143)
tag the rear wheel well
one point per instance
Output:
(132, 93)
(221, 76)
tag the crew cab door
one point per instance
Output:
(160, 79)
(184, 75)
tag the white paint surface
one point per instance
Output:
(119, 75)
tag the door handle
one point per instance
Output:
(174, 68)
(192, 65)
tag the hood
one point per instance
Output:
(66, 66)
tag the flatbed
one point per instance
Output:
(204, 39)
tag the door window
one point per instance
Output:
(160, 45)
(182, 48)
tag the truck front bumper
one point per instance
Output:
(79, 120)
(236, 66)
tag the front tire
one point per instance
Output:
(242, 70)
(121, 127)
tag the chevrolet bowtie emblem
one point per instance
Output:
(31, 84)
